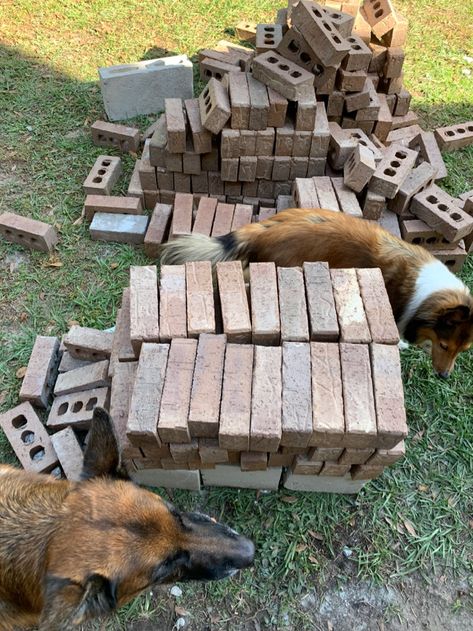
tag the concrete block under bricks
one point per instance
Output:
(333, 469)
(351, 314)
(321, 454)
(265, 429)
(144, 311)
(266, 326)
(397, 163)
(120, 397)
(438, 209)
(180, 479)
(426, 144)
(253, 461)
(86, 343)
(259, 104)
(183, 453)
(366, 472)
(359, 168)
(319, 484)
(69, 453)
(119, 228)
(292, 305)
(200, 298)
(207, 386)
(233, 301)
(284, 76)
(76, 409)
(172, 302)
(41, 371)
(277, 108)
(455, 137)
(111, 204)
(358, 398)
(418, 179)
(88, 377)
(112, 135)
(296, 395)
(103, 176)
(214, 106)
(347, 200)
(158, 228)
(377, 307)
(182, 215)
(235, 409)
(232, 476)
(28, 438)
(320, 301)
(32, 234)
(328, 419)
(174, 410)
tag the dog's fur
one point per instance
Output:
(429, 302)
(72, 551)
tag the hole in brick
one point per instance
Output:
(101, 171)
(33, 239)
(305, 58)
(7, 231)
(269, 29)
(207, 100)
(283, 67)
(37, 453)
(91, 403)
(456, 217)
(379, 13)
(106, 163)
(62, 409)
(101, 136)
(444, 240)
(450, 133)
(327, 26)
(295, 74)
(97, 180)
(270, 42)
(356, 47)
(432, 199)
(389, 172)
(27, 437)
(293, 46)
(470, 128)
(460, 130)
(351, 39)
(336, 39)
(318, 70)
(443, 207)
(208, 108)
(450, 263)
(335, 16)
(19, 421)
(207, 73)
(431, 240)
(376, 5)
(218, 75)
(416, 240)
(363, 142)
(77, 407)
(400, 155)
(317, 13)
(395, 164)
(272, 60)
(20, 235)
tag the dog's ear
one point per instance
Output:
(456, 315)
(101, 455)
(99, 599)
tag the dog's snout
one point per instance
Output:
(444, 374)
(246, 553)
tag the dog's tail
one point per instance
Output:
(198, 247)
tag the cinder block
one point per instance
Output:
(378, 310)
(455, 137)
(319, 484)
(87, 343)
(235, 410)
(76, 409)
(321, 454)
(112, 135)
(277, 108)
(214, 106)
(158, 229)
(265, 430)
(144, 312)
(172, 299)
(351, 314)
(438, 209)
(200, 298)
(304, 193)
(103, 176)
(284, 76)
(393, 169)
(322, 314)
(264, 304)
(69, 453)
(268, 37)
(233, 301)
(281, 168)
(232, 476)
(88, 377)
(359, 168)
(118, 228)
(292, 305)
(41, 371)
(28, 438)
(347, 200)
(158, 143)
(327, 399)
(180, 479)
(30, 233)
(296, 395)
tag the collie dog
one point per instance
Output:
(72, 551)
(430, 304)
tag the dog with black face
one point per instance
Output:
(73, 551)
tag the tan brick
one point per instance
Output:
(207, 386)
(327, 400)
(296, 395)
(103, 176)
(30, 233)
(28, 438)
(157, 229)
(112, 135)
(333, 469)
(347, 200)
(265, 431)
(303, 466)
(438, 209)
(174, 411)
(289, 79)
(455, 137)
(266, 327)
(76, 409)
(144, 312)
(41, 371)
(277, 108)
(235, 411)
(382, 19)
(200, 299)
(292, 305)
(86, 343)
(253, 461)
(122, 388)
(349, 306)
(377, 307)
(69, 453)
(205, 216)
(214, 106)
(325, 193)
(384, 457)
(242, 216)
(355, 456)
(259, 104)
(233, 301)
(172, 298)
(322, 315)
(321, 454)
(359, 168)
(88, 377)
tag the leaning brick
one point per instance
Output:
(86, 343)
(88, 377)
(377, 307)
(201, 137)
(158, 228)
(144, 312)
(120, 396)
(69, 453)
(41, 371)
(214, 106)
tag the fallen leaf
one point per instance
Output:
(113, 265)
(409, 526)
(53, 262)
(418, 435)
(180, 611)
(71, 323)
(316, 535)
(313, 559)
(451, 501)
(23, 316)
(79, 221)
(423, 488)
(21, 372)
(42, 295)
(289, 499)
(301, 547)
(397, 527)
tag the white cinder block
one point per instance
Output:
(119, 228)
(321, 484)
(232, 475)
(168, 478)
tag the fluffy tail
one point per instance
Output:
(198, 247)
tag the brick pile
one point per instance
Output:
(292, 378)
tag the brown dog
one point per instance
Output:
(72, 551)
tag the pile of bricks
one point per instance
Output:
(293, 378)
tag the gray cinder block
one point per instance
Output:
(120, 228)
(232, 475)
(176, 479)
(321, 484)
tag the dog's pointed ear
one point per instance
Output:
(101, 455)
(456, 315)
(99, 599)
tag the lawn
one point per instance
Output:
(417, 519)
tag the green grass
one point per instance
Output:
(416, 517)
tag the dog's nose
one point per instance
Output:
(246, 553)
(444, 375)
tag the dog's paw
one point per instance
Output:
(402, 345)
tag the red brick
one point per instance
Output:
(29, 438)
(111, 204)
(325, 193)
(268, 36)
(214, 106)
(292, 305)
(41, 371)
(30, 233)
(296, 395)
(322, 315)
(157, 229)
(359, 168)
(303, 466)
(289, 79)
(266, 326)
(172, 298)
(69, 453)
(176, 125)
(103, 176)
(200, 298)
(207, 386)
(112, 135)
(144, 312)
(125, 350)
(382, 19)
(327, 398)
(242, 216)
(233, 301)
(259, 104)
(358, 398)
(349, 306)
(205, 216)
(359, 55)
(377, 307)
(240, 100)
(76, 409)
(182, 215)
(265, 431)
(235, 411)
(246, 31)
(322, 454)
(88, 377)
(347, 200)
(201, 137)
(247, 169)
(86, 343)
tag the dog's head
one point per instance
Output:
(445, 320)
(118, 539)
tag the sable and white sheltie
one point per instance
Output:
(429, 302)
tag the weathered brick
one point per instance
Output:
(253, 461)
(351, 314)
(292, 305)
(247, 169)
(111, 204)
(182, 215)
(157, 229)
(378, 310)
(172, 299)
(70, 363)
(211, 452)
(359, 55)
(76, 409)
(277, 108)
(438, 209)
(239, 100)
(455, 137)
(347, 200)
(200, 298)
(176, 125)
(259, 104)
(214, 106)
(289, 79)
(325, 193)
(41, 371)
(233, 301)
(86, 343)
(223, 219)
(296, 395)
(144, 311)
(281, 168)
(393, 169)
(69, 453)
(112, 135)
(419, 178)
(383, 457)
(30, 233)
(241, 216)
(322, 314)
(359, 168)
(426, 144)
(380, 15)
(305, 193)
(264, 304)
(265, 430)
(103, 176)
(88, 377)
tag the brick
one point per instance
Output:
(351, 315)
(76, 409)
(284, 76)
(292, 305)
(403, 102)
(333, 469)
(335, 104)
(246, 31)
(277, 108)
(151, 198)
(200, 183)
(293, 46)
(176, 125)
(253, 461)
(347, 200)
(28, 438)
(201, 137)
(302, 144)
(172, 297)
(438, 209)
(359, 55)
(394, 63)
(351, 80)
(216, 68)
(305, 194)
(284, 140)
(84, 378)
(240, 100)
(111, 204)
(358, 398)
(103, 176)
(359, 100)
(390, 222)
(265, 431)
(361, 26)
(69, 453)
(211, 452)
(122, 331)
(355, 456)
(426, 144)
(342, 20)
(70, 363)
(384, 457)
(230, 143)
(268, 37)
(247, 169)
(453, 258)
(381, 18)
(144, 312)
(231, 476)
(305, 113)
(264, 304)
(223, 219)
(134, 187)
(298, 168)
(214, 106)
(230, 169)
(399, 122)
(32, 234)
(303, 466)
(41, 371)
(359, 168)
(455, 137)
(191, 164)
(378, 310)
(325, 193)
(118, 228)
(365, 472)
(235, 411)
(205, 216)
(418, 179)
(157, 229)
(280, 459)
(233, 301)
(87, 343)
(158, 142)
(210, 161)
(393, 169)
(200, 298)
(122, 388)
(242, 216)
(281, 168)
(216, 185)
(341, 146)
(112, 135)
(322, 315)
(373, 205)
(296, 395)
(247, 143)
(418, 232)
(182, 215)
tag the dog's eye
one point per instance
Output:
(443, 346)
